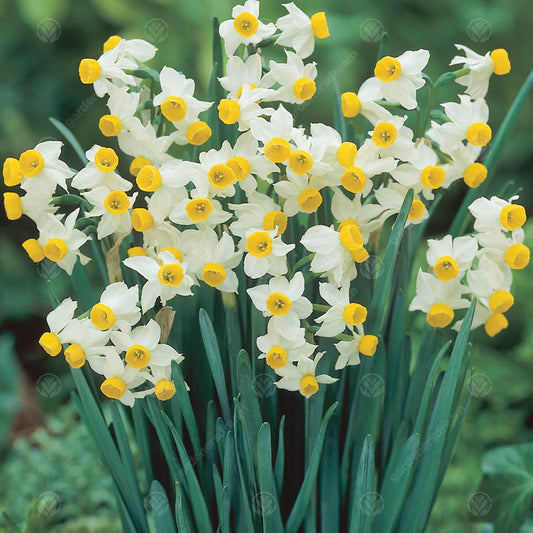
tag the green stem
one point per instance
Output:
(462, 217)
(100, 261)
(72, 200)
(321, 308)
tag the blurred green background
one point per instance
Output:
(46, 451)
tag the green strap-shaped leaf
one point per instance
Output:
(304, 496)
(380, 302)
(140, 427)
(69, 136)
(395, 486)
(339, 122)
(161, 511)
(267, 486)
(228, 473)
(196, 495)
(215, 362)
(181, 513)
(279, 468)
(249, 403)
(330, 498)
(419, 503)
(363, 504)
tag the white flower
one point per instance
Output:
(284, 343)
(391, 199)
(497, 214)
(122, 106)
(282, 299)
(480, 69)
(451, 258)
(241, 74)
(296, 80)
(166, 277)
(57, 321)
(438, 299)
(302, 376)
(393, 139)
(364, 102)
(345, 210)
(142, 347)
(341, 314)
(138, 49)
(85, 342)
(298, 31)
(349, 351)
(266, 253)
(35, 204)
(61, 241)
(245, 27)
(398, 78)
(100, 171)
(301, 194)
(117, 308)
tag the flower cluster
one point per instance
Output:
(287, 211)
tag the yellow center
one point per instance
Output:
(368, 345)
(446, 268)
(199, 209)
(171, 275)
(275, 219)
(113, 388)
(278, 304)
(479, 134)
(89, 70)
(55, 250)
(259, 244)
(350, 104)
(351, 237)
(111, 43)
(500, 60)
(12, 172)
(137, 251)
(304, 88)
(517, 256)
(137, 164)
(353, 179)
(346, 154)
(246, 24)
(31, 163)
(221, 176)
(475, 174)
(75, 356)
(12, 205)
(277, 357)
(348, 222)
(50, 344)
(513, 217)
(432, 176)
(496, 324)
(174, 108)
(309, 385)
(309, 200)
(141, 219)
(110, 125)
(229, 111)
(501, 301)
(106, 159)
(319, 24)
(277, 150)
(300, 162)
(102, 317)
(384, 134)
(440, 315)
(214, 274)
(149, 178)
(164, 389)
(355, 314)
(388, 69)
(417, 210)
(198, 133)
(33, 249)
(175, 252)
(240, 167)
(360, 256)
(117, 202)
(137, 356)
